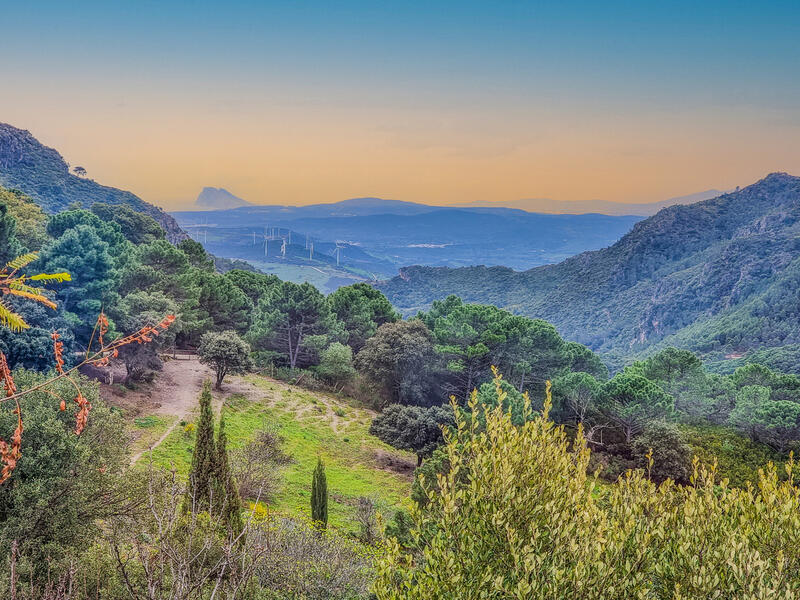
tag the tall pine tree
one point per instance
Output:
(319, 496)
(226, 494)
(204, 457)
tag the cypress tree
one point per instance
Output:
(227, 495)
(204, 456)
(319, 496)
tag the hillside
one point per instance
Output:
(41, 172)
(310, 424)
(718, 276)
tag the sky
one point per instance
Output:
(297, 102)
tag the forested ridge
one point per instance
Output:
(30, 166)
(717, 277)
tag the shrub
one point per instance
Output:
(336, 364)
(738, 458)
(517, 516)
(307, 563)
(255, 466)
(664, 444)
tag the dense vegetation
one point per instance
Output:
(558, 479)
(718, 277)
(515, 515)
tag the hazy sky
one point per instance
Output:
(442, 102)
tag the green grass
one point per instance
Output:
(147, 422)
(301, 273)
(148, 429)
(305, 421)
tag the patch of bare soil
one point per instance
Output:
(173, 392)
(387, 461)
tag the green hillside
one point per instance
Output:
(718, 276)
(41, 173)
(311, 424)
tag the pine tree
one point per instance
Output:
(226, 493)
(204, 457)
(319, 496)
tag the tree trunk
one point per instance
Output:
(291, 354)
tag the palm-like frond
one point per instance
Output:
(21, 261)
(19, 284)
(51, 277)
(10, 319)
(33, 296)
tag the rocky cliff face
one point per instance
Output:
(42, 173)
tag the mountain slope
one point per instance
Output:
(219, 199)
(42, 173)
(678, 276)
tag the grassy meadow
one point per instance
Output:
(311, 424)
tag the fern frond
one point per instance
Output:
(22, 261)
(33, 296)
(19, 284)
(51, 277)
(12, 320)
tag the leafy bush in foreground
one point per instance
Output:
(517, 516)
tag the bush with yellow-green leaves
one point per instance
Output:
(517, 516)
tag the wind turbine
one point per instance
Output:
(204, 225)
(338, 251)
(267, 238)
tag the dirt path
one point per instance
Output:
(175, 392)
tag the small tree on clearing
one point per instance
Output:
(226, 352)
(319, 496)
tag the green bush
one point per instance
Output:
(738, 459)
(517, 516)
(663, 452)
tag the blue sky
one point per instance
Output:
(409, 100)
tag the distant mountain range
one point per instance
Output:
(354, 207)
(221, 199)
(41, 173)
(721, 277)
(605, 207)
(396, 233)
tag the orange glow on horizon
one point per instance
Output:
(301, 155)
